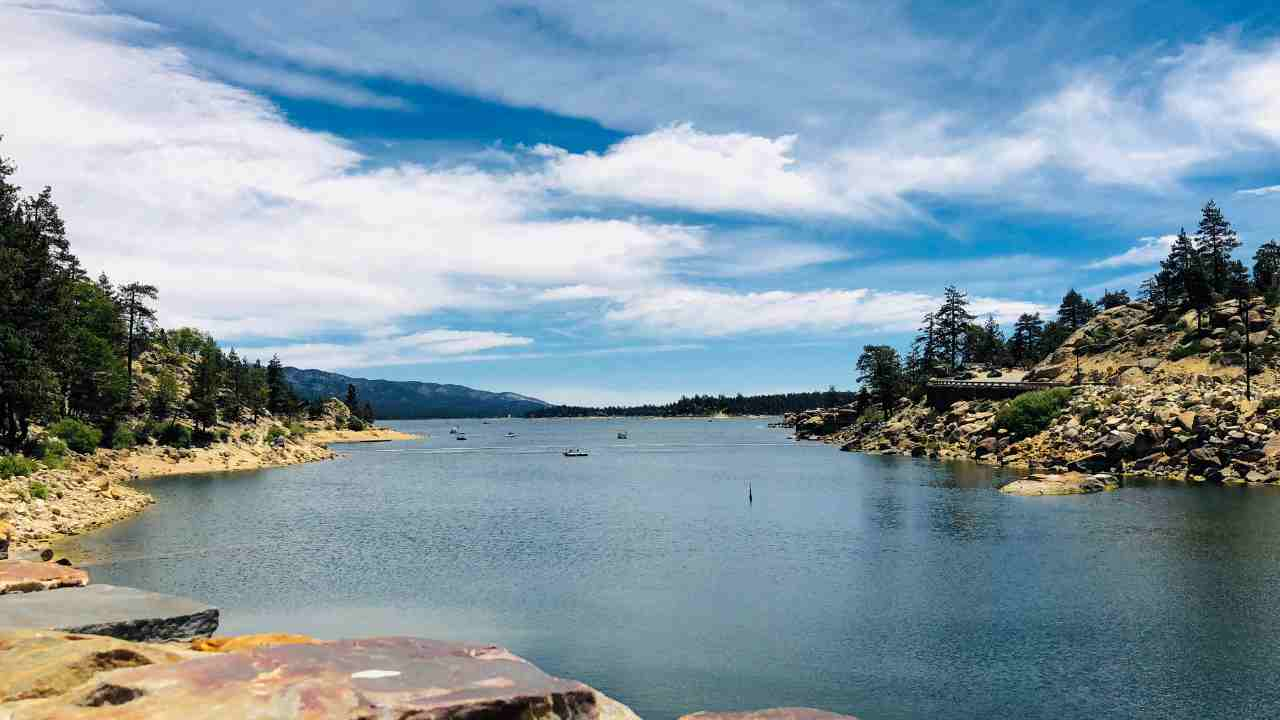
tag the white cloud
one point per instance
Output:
(700, 311)
(419, 347)
(573, 292)
(256, 228)
(1261, 191)
(1147, 251)
(679, 166)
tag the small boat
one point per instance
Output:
(575, 452)
(453, 430)
(511, 435)
(622, 434)
(461, 436)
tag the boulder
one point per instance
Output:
(1149, 364)
(20, 576)
(1131, 376)
(119, 612)
(1071, 483)
(44, 663)
(393, 677)
(1187, 421)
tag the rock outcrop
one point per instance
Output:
(118, 612)
(379, 677)
(20, 576)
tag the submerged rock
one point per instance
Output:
(1071, 483)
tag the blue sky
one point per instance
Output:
(615, 203)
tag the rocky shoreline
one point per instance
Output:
(1203, 430)
(1154, 397)
(92, 491)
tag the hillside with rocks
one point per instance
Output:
(1159, 396)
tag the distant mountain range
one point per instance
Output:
(406, 399)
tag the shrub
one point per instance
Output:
(297, 429)
(221, 434)
(1031, 413)
(145, 432)
(80, 437)
(1269, 402)
(1182, 351)
(38, 490)
(248, 437)
(16, 466)
(202, 438)
(276, 431)
(175, 435)
(355, 423)
(123, 438)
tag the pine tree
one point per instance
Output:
(353, 400)
(1266, 269)
(1075, 310)
(953, 320)
(926, 349)
(1024, 344)
(880, 373)
(139, 319)
(1215, 241)
(281, 399)
(1113, 299)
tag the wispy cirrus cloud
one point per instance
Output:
(1147, 251)
(1261, 191)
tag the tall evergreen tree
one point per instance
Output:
(1266, 268)
(1214, 241)
(1075, 310)
(880, 373)
(952, 322)
(926, 350)
(1114, 299)
(1024, 344)
(139, 320)
(353, 400)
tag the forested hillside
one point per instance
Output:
(410, 399)
(706, 405)
(84, 359)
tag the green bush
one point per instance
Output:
(1031, 413)
(248, 437)
(276, 431)
(175, 435)
(202, 438)
(1182, 351)
(16, 466)
(355, 423)
(123, 438)
(221, 434)
(38, 490)
(297, 429)
(145, 432)
(80, 437)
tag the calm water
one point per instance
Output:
(886, 587)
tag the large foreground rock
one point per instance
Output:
(119, 612)
(1071, 483)
(37, 664)
(786, 713)
(21, 576)
(348, 679)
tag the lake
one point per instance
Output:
(882, 586)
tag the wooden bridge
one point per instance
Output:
(944, 392)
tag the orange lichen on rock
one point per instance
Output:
(241, 643)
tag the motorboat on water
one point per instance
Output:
(461, 436)
(622, 434)
(575, 452)
(511, 435)
(453, 430)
